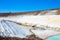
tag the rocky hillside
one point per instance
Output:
(40, 12)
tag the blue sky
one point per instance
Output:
(27, 5)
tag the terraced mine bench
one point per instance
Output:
(12, 31)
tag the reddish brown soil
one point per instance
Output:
(31, 37)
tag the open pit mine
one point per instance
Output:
(36, 25)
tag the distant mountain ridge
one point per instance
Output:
(40, 12)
